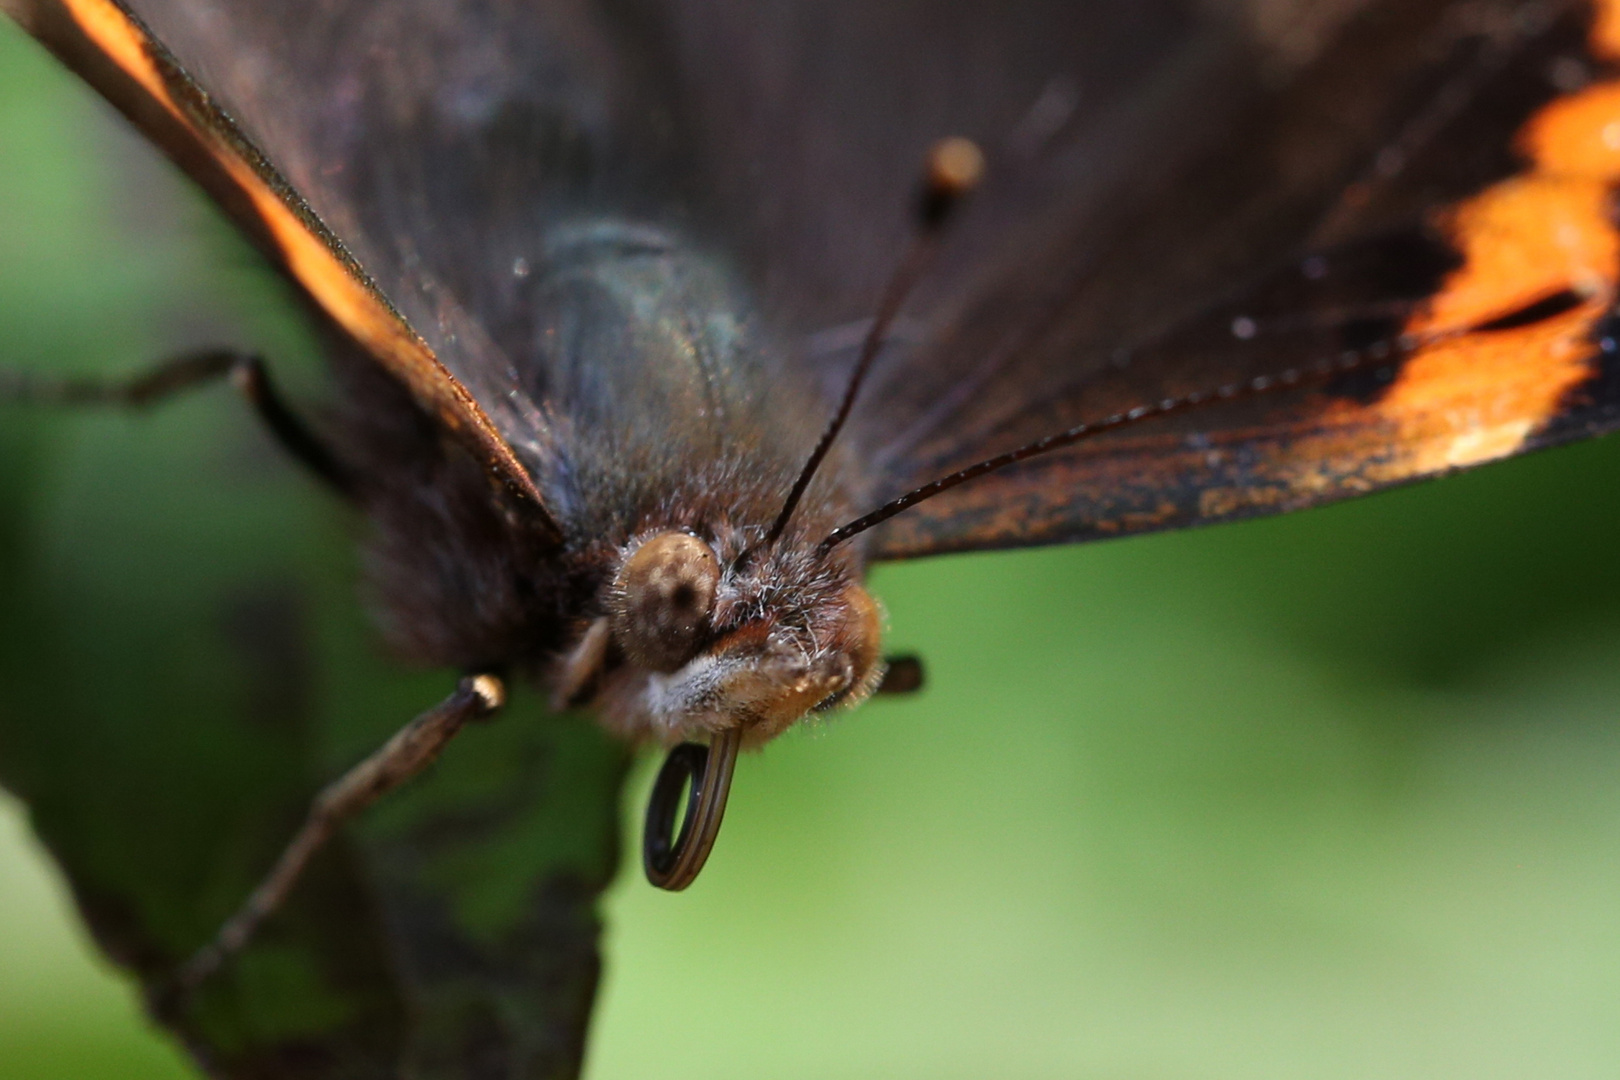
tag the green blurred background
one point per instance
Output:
(1334, 795)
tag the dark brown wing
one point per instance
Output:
(1181, 196)
(116, 52)
(1424, 196)
(445, 141)
(449, 143)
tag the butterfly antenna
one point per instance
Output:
(953, 169)
(1321, 371)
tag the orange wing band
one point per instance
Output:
(1470, 397)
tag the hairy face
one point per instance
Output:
(698, 640)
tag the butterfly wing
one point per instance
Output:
(117, 53)
(1421, 200)
(1178, 201)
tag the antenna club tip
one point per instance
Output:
(952, 169)
(955, 166)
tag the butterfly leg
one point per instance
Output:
(413, 748)
(186, 372)
(901, 675)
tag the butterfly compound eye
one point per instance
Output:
(663, 598)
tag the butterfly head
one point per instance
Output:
(706, 636)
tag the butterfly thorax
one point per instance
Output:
(664, 430)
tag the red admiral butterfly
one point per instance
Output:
(643, 361)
